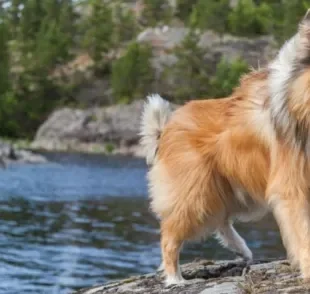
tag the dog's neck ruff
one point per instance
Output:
(282, 71)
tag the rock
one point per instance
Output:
(113, 129)
(208, 277)
(255, 51)
(9, 153)
(93, 90)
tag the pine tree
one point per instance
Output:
(4, 59)
(293, 11)
(99, 31)
(13, 16)
(8, 101)
(227, 77)
(211, 14)
(248, 19)
(184, 9)
(156, 12)
(125, 25)
(190, 74)
(132, 74)
(31, 18)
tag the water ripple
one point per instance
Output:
(83, 220)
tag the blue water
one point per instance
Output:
(82, 220)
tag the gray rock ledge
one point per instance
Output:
(9, 153)
(214, 277)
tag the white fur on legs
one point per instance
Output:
(176, 279)
(230, 239)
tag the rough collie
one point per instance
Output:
(217, 160)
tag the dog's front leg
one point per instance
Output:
(292, 214)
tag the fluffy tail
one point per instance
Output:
(155, 115)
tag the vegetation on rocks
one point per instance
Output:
(40, 40)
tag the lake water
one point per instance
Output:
(84, 220)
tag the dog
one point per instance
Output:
(215, 161)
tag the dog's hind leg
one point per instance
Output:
(179, 227)
(229, 238)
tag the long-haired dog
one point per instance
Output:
(214, 161)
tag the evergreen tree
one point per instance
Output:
(227, 77)
(156, 12)
(190, 73)
(184, 9)
(248, 19)
(293, 11)
(30, 21)
(4, 59)
(8, 102)
(211, 15)
(13, 16)
(124, 23)
(99, 31)
(132, 74)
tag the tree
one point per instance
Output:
(248, 19)
(99, 31)
(8, 101)
(156, 12)
(184, 9)
(132, 74)
(190, 75)
(13, 16)
(125, 25)
(30, 20)
(211, 14)
(293, 11)
(227, 77)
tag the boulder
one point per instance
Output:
(209, 277)
(255, 51)
(113, 128)
(10, 153)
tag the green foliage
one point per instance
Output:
(156, 12)
(184, 9)
(38, 36)
(227, 77)
(293, 11)
(42, 39)
(7, 100)
(99, 31)
(211, 14)
(125, 25)
(249, 19)
(132, 73)
(109, 148)
(190, 74)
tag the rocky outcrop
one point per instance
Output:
(208, 277)
(9, 153)
(91, 90)
(113, 129)
(255, 51)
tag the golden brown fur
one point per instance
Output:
(218, 160)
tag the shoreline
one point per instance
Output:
(134, 150)
(22, 151)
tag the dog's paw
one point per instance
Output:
(175, 281)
